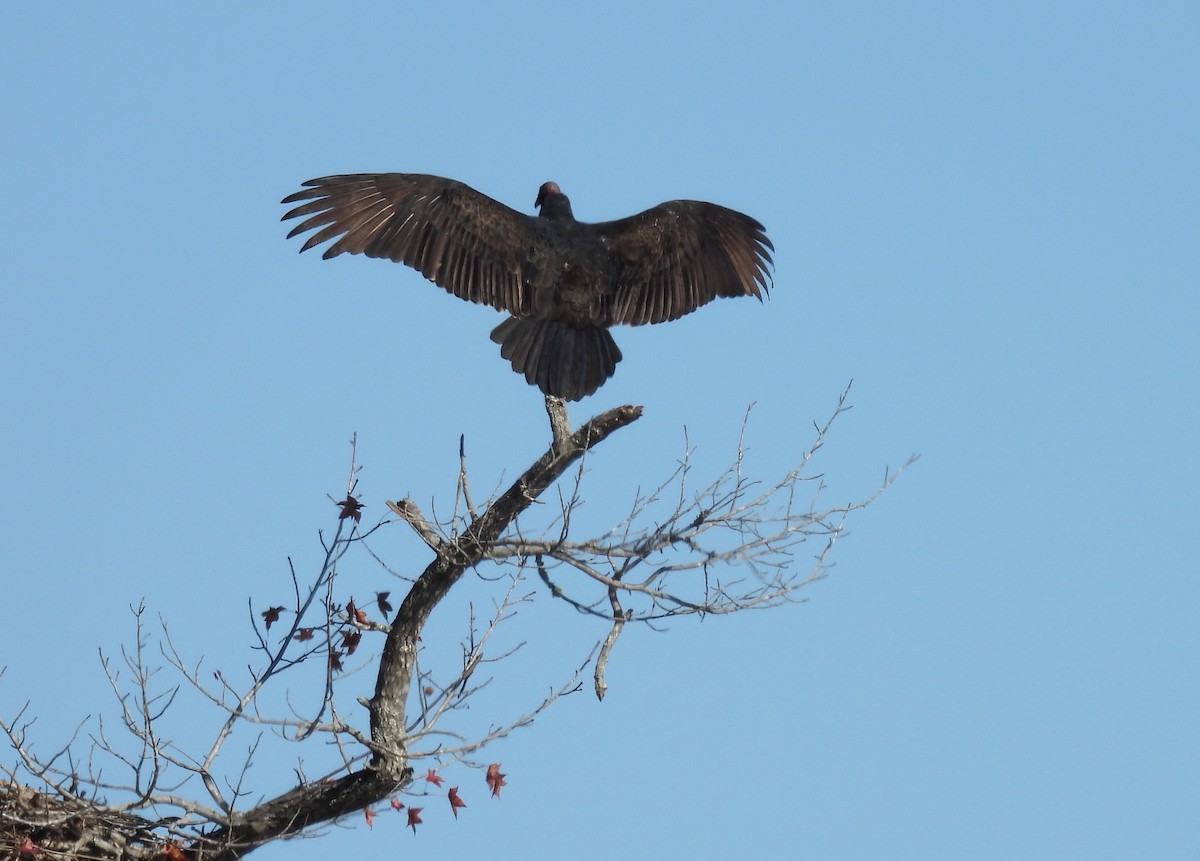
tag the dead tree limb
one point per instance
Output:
(723, 547)
(388, 770)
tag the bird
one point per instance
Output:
(563, 282)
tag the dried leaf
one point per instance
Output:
(271, 615)
(351, 508)
(355, 614)
(455, 801)
(432, 777)
(414, 817)
(381, 598)
(350, 641)
(495, 779)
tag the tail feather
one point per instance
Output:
(569, 370)
(560, 359)
(518, 348)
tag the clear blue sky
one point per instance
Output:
(984, 213)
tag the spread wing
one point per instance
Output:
(682, 254)
(475, 247)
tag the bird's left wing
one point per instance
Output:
(462, 240)
(679, 255)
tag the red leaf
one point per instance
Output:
(350, 641)
(171, 852)
(455, 801)
(304, 634)
(432, 777)
(271, 615)
(370, 815)
(351, 508)
(495, 779)
(414, 817)
(355, 614)
(397, 804)
(381, 598)
(27, 849)
(335, 660)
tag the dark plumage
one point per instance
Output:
(563, 281)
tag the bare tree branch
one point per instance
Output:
(680, 549)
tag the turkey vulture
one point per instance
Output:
(563, 281)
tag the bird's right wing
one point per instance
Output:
(475, 247)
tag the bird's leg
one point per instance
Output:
(560, 424)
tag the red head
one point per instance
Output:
(548, 189)
(553, 203)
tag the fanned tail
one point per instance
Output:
(560, 359)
